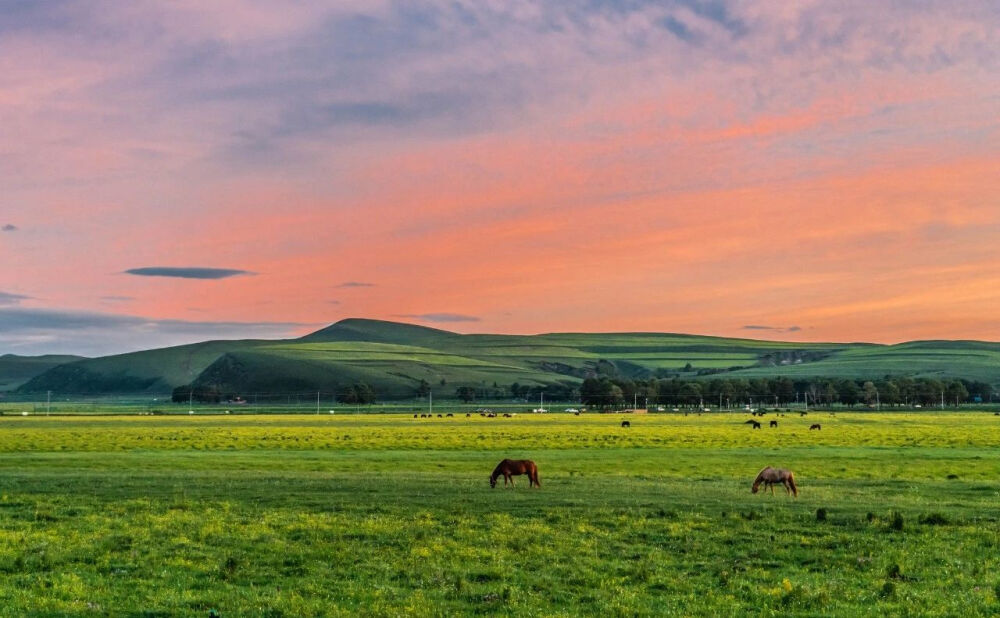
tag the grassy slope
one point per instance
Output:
(395, 357)
(307, 516)
(16, 370)
(967, 359)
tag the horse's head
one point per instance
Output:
(756, 486)
(493, 481)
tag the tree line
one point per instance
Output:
(727, 392)
(782, 391)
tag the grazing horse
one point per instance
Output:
(814, 426)
(626, 424)
(774, 423)
(510, 468)
(770, 476)
(753, 424)
(802, 413)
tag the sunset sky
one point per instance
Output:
(184, 170)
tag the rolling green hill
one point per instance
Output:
(16, 370)
(394, 358)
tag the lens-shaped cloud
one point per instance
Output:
(191, 272)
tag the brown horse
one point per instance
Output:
(815, 426)
(510, 468)
(770, 476)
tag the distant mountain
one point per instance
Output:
(394, 358)
(16, 370)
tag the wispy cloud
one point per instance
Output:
(38, 331)
(117, 299)
(777, 329)
(7, 299)
(356, 284)
(8, 227)
(194, 272)
(438, 317)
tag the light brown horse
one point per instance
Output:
(510, 468)
(770, 476)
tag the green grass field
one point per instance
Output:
(390, 515)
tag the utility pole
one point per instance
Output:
(317, 402)
(430, 401)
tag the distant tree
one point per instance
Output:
(870, 393)
(600, 392)
(359, 393)
(466, 393)
(956, 392)
(424, 388)
(691, 392)
(848, 392)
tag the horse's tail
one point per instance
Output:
(534, 473)
(791, 483)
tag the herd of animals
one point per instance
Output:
(509, 468)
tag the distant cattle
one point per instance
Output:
(467, 415)
(506, 415)
(414, 416)
(753, 424)
(815, 426)
(774, 423)
(626, 424)
(450, 415)
(803, 413)
(439, 416)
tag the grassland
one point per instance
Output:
(390, 515)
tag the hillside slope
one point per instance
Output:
(16, 370)
(395, 358)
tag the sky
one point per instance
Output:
(807, 171)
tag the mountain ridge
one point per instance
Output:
(397, 358)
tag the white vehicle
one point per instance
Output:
(539, 410)
(570, 410)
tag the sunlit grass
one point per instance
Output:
(390, 515)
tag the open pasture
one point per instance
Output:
(391, 515)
